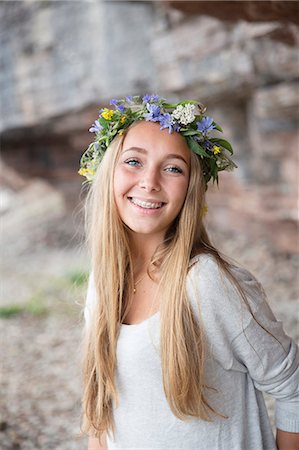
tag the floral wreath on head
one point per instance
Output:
(185, 117)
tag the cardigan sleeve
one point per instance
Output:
(272, 360)
(255, 340)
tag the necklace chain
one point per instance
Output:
(137, 282)
(141, 278)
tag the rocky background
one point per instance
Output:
(60, 62)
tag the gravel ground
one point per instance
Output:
(40, 382)
(40, 407)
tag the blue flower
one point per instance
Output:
(166, 121)
(209, 146)
(205, 125)
(150, 98)
(176, 127)
(154, 113)
(116, 103)
(129, 98)
(95, 127)
(121, 108)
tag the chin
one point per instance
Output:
(146, 231)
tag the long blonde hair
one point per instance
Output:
(181, 338)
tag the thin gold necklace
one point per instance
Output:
(137, 282)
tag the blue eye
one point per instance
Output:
(132, 162)
(174, 169)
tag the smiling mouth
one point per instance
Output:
(146, 205)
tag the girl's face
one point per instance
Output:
(151, 178)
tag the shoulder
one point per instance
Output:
(216, 296)
(207, 269)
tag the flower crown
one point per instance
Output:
(185, 117)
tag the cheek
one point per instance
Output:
(180, 196)
(123, 182)
(118, 195)
(117, 188)
(181, 192)
(119, 181)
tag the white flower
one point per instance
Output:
(184, 114)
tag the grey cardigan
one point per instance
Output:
(242, 361)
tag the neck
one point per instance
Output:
(143, 247)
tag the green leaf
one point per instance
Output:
(186, 102)
(189, 132)
(103, 121)
(213, 167)
(217, 127)
(196, 148)
(223, 143)
(169, 105)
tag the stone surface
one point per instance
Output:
(254, 11)
(62, 56)
(274, 134)
(28, 211)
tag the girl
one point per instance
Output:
(179, 341)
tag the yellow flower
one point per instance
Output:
(216, 149)
(122, 120)
(107, 113)
(121, 132)
(204, 210)
(86, 171)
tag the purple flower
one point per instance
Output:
(166, 121)
(205, 125)
(146, 98)
(121, 108)
(150, 98)
(95, 127)
(207, 144)
(116, 103)
(154, 113)
(211, 146)
(176, 127)
(129, 98)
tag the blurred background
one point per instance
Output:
(60, 62)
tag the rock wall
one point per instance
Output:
(63, 56)
(251, 10)
(62, 60)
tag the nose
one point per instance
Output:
(150, 180)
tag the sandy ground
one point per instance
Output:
(40, 376)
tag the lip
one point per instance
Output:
(147, 200)
(146, 211)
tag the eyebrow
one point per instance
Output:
(169, 156)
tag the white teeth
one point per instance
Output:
(146, 205)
